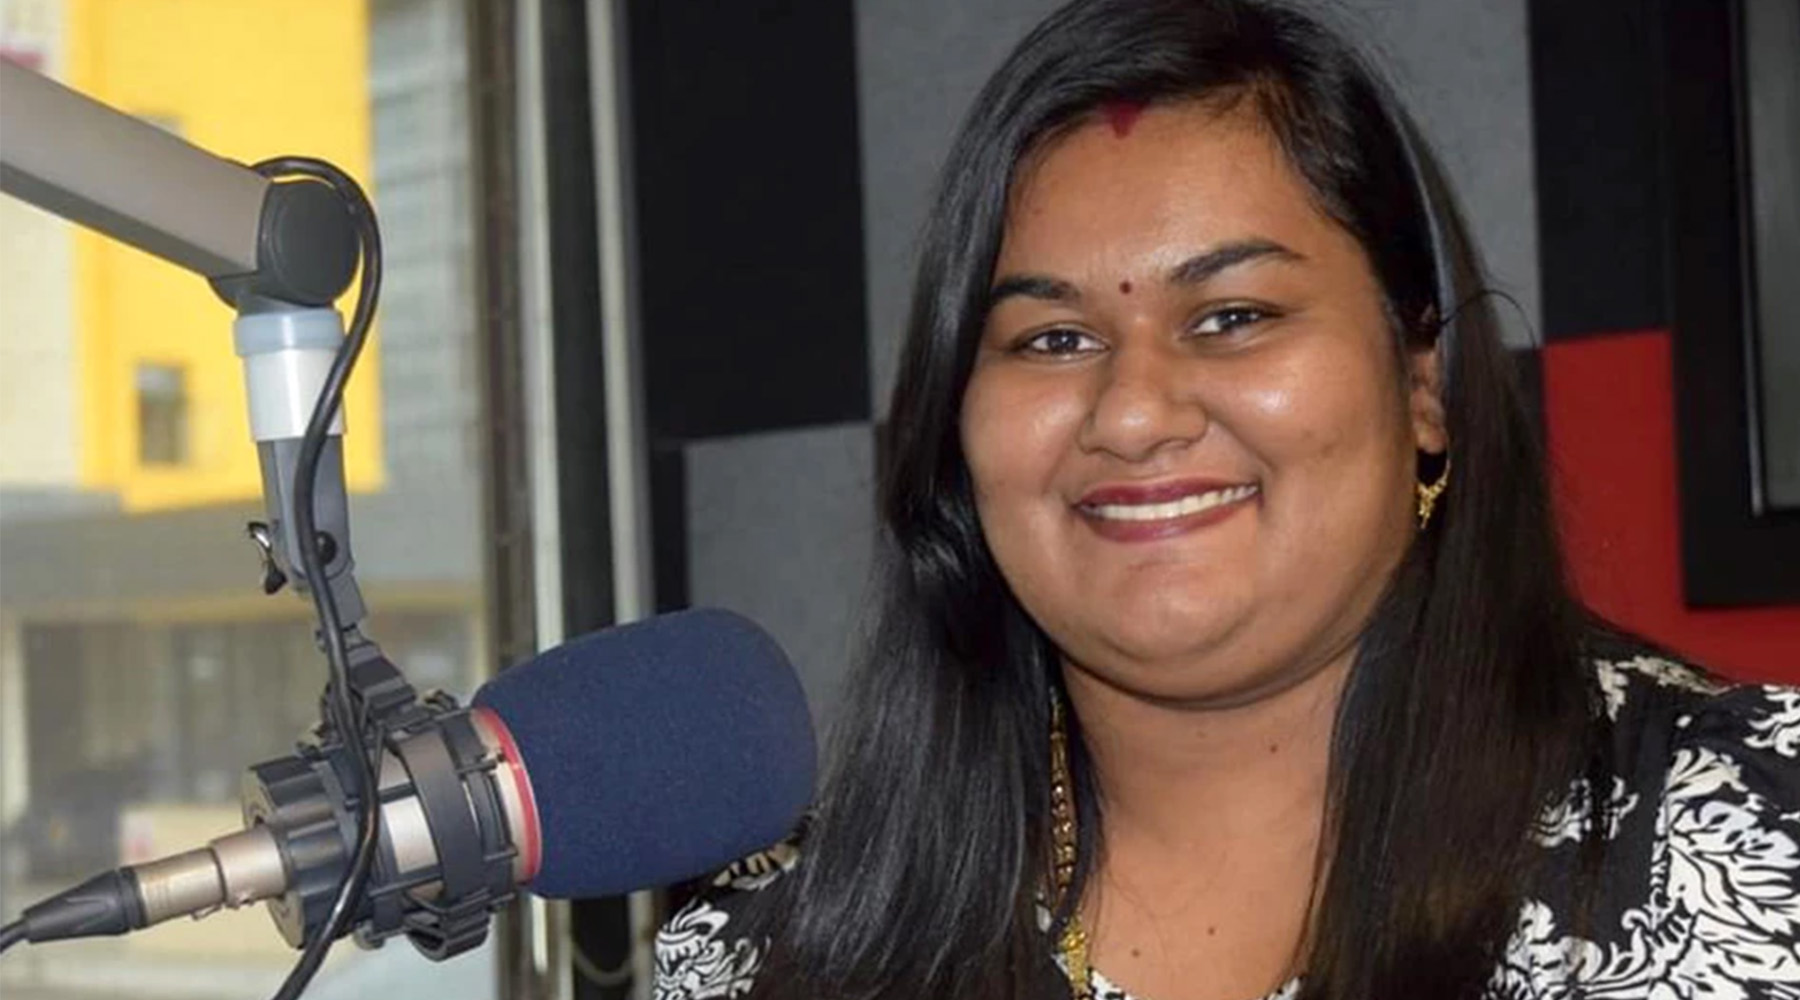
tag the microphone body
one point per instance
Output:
(631, 758)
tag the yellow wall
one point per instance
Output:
(247, 79)
(40, 409)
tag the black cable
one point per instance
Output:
(12, 934)
(351, 722)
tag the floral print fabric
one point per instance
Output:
(1699, 898)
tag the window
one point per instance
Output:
(141, 668)
(162, 415)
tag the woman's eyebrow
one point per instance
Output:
(1032, 286)
(1202, 266)
(1193, 271)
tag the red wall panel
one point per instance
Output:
(1609, 410)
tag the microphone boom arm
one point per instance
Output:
(280, 253)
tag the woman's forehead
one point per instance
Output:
(1178, 178)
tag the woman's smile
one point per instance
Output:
(1154, 511)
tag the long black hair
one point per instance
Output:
(1467, 709)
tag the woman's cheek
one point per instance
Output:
(1016, 428)
(977, 431)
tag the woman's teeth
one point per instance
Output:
(1191, 504)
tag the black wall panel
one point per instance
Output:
(1597, 117)
(749, 215)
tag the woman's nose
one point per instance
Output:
(1144, 402)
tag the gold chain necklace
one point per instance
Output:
(1073, 945)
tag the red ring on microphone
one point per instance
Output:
(531, 848)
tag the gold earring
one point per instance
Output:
(1428, 495)
(1063, 845)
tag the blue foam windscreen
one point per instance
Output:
(658, 751)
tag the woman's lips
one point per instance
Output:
(1130, 513)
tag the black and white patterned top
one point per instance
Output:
(1700, 897)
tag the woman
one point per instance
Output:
(1226, 651)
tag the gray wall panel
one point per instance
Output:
(1463, 68)
(919, 64)
(781, 528)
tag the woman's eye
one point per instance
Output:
(1060, 343)
(1229, 319)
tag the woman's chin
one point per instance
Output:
(1173, 624)
(1165, 663)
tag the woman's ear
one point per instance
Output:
(1425, 399)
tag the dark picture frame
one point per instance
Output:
(1737, 548)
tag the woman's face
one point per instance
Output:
(1191, 439)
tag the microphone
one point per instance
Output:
(634, 757)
